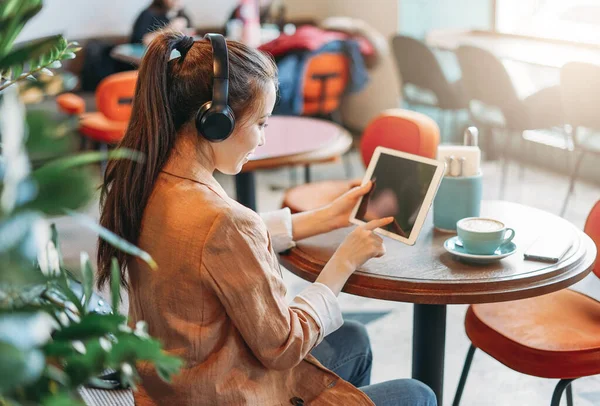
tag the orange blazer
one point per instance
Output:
(218, 301)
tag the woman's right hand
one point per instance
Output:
(359, 246)
(363, 244)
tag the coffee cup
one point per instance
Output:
(483, 236)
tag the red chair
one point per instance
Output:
(550, 336)
(114, 97)
(403, 130)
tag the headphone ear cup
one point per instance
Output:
(215, 123)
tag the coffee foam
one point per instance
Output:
(482, 225)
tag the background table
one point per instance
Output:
(292, 140)
(425, 274)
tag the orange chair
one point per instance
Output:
(114, 96)
(403, 130)
(71, 104)
(325, 81)
(551, 336)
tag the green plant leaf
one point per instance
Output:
(67, 55)
(114, 239)
(130, 348)
(16, 71)
(92, 325)
(32, 50)
(87, 158)
(59, 190)
(8, 7)
(115, 285)
(18, 367)
(88, 278)
(61, 399)
(47, 137)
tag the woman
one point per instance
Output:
(218, 299)
(160, 14)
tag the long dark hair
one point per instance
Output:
(168, 94)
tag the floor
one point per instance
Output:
(390, 323)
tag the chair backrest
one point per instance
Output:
(486, 80)
(325, 79)
(402, 130)
(580, 93)
(592, 228)
(417, 65)
(114, 95)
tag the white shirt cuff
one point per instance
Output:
(319, 302)
(279, 224)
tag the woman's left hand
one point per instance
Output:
(338, 211)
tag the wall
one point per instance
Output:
(90, 18)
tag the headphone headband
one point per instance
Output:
(220, 69)
(215, 120)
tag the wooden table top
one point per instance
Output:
(292, 140)
(527, 50)
(426, 273)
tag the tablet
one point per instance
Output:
(404, 187)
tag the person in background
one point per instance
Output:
(160, 14)
(218, 297)
(270, 11)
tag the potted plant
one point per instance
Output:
(51, 342)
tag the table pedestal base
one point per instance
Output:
(245, 189)
(429, 344)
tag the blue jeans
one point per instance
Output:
(347, 352)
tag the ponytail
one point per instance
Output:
(151, 131)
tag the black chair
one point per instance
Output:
(421, 72)
(489, 89)
(580, 90)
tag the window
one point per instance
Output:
(567, 20)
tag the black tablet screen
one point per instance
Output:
(399, 189)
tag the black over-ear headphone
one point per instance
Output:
(215, 120)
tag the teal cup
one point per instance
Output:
(483, 236)
(457, 198)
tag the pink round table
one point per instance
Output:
(292, 140)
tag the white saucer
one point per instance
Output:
(454, 246)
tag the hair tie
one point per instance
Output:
(184, 45)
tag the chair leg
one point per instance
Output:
(570, 395)
(572, 183)
(463, 375)
(306, 173)
(558, 391)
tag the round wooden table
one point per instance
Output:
(292, 140)
(431, 278)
